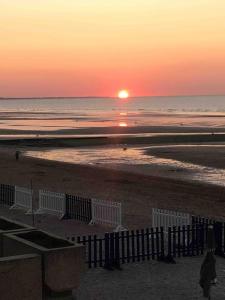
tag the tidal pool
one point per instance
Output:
(135, 160)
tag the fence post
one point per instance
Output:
(107, 264)
(116, 262)
(174, 231)
(148, 237)
(193, 242)
(100, 252)
(128, 245)
(218, 232)
(153, 243)
(95, 250)
(178, 241)
(157, 243)
(133, 246)
(188, 240)
(138, 245)
(197, 238)
(123, 247)
(162, 242)
(169, 243)
(111, 248)
(89, 251)
(143, 244)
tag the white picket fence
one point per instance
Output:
(51, 203)
(23, 199)
(102, 212)
(106, 213)
(168, 218)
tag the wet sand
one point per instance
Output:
(205, 155)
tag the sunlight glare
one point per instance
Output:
(123, 94)
(122, 124)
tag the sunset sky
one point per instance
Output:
(96, 47)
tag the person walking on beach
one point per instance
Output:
(208, 267)
(207, 274)
(17, 154)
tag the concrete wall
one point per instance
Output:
(63, 269)
(13, 246)
(22, 226)
(21, 278)
(62, 266)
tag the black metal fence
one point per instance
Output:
(78, 208)
(123, 247)
(186, 240)
(218, 232)
(7, 193)
(114, 249)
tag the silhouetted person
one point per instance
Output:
(17, 155)
(207, 273)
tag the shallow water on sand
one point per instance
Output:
(134, 159)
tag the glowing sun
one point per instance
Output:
(123, 94)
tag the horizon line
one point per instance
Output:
(107, 97)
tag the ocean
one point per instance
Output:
(72, 113)
(68, 116)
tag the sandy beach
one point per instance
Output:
(205, 155)
(138, 193)
(139, 188)
(151, 280)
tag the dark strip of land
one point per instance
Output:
(129, 140)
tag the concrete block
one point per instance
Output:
(21, 277)
(10, 226)
(63, 261)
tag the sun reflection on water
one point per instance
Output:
(122, 124)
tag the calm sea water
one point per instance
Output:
(187, 103)
(55, 114)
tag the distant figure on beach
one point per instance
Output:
(207, 274)
(17, 154)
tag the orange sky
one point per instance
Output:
(95, 47)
